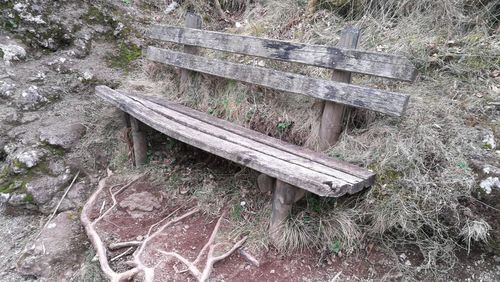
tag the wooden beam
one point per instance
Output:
(378, 64)
(357, 96)
(277, 167)
(333, 113)
(139, 141)
(192, 21)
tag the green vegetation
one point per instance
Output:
(126, 54)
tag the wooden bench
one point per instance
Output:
(291, 169)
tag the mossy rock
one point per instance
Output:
(126, 54)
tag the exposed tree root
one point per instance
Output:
(137, 264)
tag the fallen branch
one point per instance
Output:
(211, 258)
(248, 257)
(137, 265)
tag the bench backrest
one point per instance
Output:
(351, 60)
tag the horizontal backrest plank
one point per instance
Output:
(357, 96)
(378, 64)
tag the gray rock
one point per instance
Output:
(60, 65)
(12, 52)
(17, 199)
(75, 198)
(11, 116)
(32, 98)
(83, 45)
(44, 188)
(138, 204)
(65, 135)
(26, 159)
(7, 89)
(57, 167)
(58, 250)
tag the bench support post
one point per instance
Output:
(330, 128)
(192, 21)
(333, 113)
(139, 141)
(283, 198)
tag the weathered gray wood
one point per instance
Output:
(333, 113)
(186, 77)
(223, 134)
(384, 65)
(139, 141)
(311, 180)
(264, 139)
(364, 97)
(265, 183)
(283, 198)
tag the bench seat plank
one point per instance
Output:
(357, 96)
(291, 168)
(378, 64)
(301, 152)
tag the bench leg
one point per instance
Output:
(265, 183)
(139, 141)
(283, 198)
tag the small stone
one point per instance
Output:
(272, 271)
(32, 98)
(40, 76)
(64, 135)
(83, 45)
(44, 188)
(118, 30)
(12, 52)
(26, 159)
(489, 183)
(6, 89)
(57, 248)
(17, 199)
(59, 65)
(138, 203)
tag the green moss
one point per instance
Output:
(476, 62)
(386, 177)
(18, 164)
(95, 16)
(5, 172)
(55, 150)
(8, 22)
(28, 198)
(126, 54)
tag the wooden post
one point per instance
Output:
(192, 21)
(332, 116)
(139, 141)
(330, 128)
(283, 198)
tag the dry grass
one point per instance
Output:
(421, 160)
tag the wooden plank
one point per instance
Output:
(267, 140)
(357, 96)
(332, 116)
(378, 64)
(305, 178)
(139, 142)
(192, 21)
(223, 134)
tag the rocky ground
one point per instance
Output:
(55, 145)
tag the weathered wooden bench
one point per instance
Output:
(291, 169)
